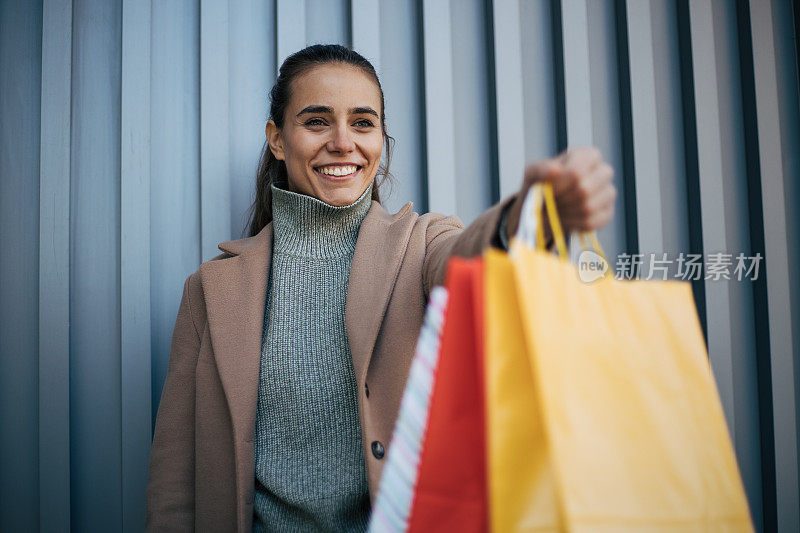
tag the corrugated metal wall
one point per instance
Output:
(130, 131)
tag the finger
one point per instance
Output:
(582, 159)
(588, 217)
(576, 213)
(581, 189)
(600, 220)
(603, 199)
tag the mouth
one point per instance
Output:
(338, 172)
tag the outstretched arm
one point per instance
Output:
(584, 193)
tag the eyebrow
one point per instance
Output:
(366, 110)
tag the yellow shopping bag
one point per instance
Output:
(602, 410)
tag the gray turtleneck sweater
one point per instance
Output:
(309, 461)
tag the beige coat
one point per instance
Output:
(202, 465)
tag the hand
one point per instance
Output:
(582, 186)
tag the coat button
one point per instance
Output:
(366, 389)
(377, 449)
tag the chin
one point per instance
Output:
(341, 197)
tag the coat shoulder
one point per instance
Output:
(427, 221)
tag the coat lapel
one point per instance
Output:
(235, 292)
(381, 245)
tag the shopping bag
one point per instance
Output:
(396, 491)
(435, 476)
(602, 410)
(450, 493)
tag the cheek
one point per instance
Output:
(300, 149)
(374, 148)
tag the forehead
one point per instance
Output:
(339, 86)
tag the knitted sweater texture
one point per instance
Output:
(309, 462)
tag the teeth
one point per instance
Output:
(338, 171)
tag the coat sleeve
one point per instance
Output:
(446, 236)
(170, 487)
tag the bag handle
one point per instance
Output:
(531, 225)
(592, 237)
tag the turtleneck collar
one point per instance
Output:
(308, 227)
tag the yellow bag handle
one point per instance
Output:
(542, 193)
(552, 216)
(592, 236)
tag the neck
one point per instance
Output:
(308, 227)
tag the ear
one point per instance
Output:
(275, 140)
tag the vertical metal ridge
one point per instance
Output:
(508, 96)
(135, 375)
(54, 266)
(768, 123)
(768, 236)
(694, 206)
(365, 24)
(558, 76)
(491, 81)
(644, 128)
(439, 113)
(760, 300)
(626, 130)
(711, 189)
(215, 185)
(290, 25)
(423, 109)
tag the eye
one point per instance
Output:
(315, 122)
(365, 123)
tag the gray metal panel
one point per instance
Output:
(175, 171)
(606, 129)
(215, 183)
(20, 79)
(251, 67)
(709, 148)
(135, 260)
(402, 66)
(538, 81)
(509, 95)
(327, 22)
(787, 47)
(577, 87)
(670, 128)
(647, 172)
(290, 28)
(475, 170)
(725, 227)
(438, 50)
(365, 30)
(365, 36)
(770, 143)
(54, 268)
(737, 217)
(95, 425)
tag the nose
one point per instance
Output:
(341, 140)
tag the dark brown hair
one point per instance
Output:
(271, 170)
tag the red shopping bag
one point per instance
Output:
(451, 493)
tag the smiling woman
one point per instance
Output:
(322, 90)
(331, 140)
(291, 348)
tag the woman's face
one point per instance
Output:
(331, 140)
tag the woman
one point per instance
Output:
(291, 348)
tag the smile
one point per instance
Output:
(338, 171)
